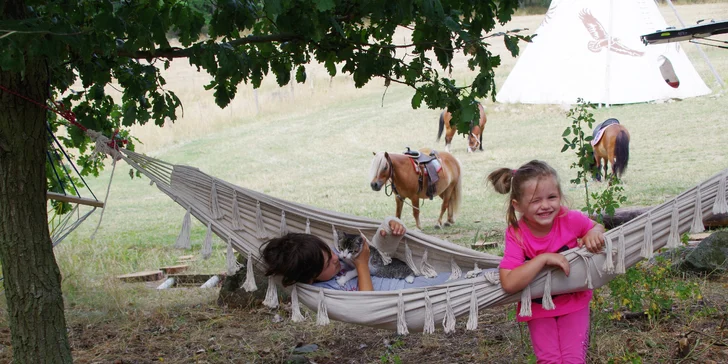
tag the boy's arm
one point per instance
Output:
(361, 263)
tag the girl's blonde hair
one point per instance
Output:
(506, 180)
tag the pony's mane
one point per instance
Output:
(377, 164)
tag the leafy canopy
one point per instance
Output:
(97, 42)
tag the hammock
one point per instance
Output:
(245, 219)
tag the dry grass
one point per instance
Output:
(312, 144)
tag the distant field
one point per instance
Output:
(313, 144)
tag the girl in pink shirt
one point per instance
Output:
(533, 242)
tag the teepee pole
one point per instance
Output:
(700, 50)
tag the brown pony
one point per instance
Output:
(399, 170)
(475, 138)
(612, 147)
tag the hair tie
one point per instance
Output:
(513, 171)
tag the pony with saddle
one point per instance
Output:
(421, 174)
(475, 137)
(611, 145)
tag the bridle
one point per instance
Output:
(394, 188)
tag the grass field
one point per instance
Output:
(313, 143)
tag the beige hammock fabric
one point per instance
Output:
(245, 219)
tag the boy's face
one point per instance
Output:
(332, 267)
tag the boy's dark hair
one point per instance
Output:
(296, 257)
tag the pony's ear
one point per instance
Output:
(374, 153)
(386, 155)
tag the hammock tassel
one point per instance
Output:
(473, 316)
(697, 226)
(647, 250)
(236, 212)
(214, 204)
(249, 284)
(409, 260)
(621, 254)
(335, 235)
(401, 322)
(271, 295)
(322, 317)
(284, 227)
(183, 240)
(448, 322)
(525, 302)
(456, 271)
(260, 226)
(232, 263)
(425, 268)
(492, 277)
(308, 226)
(548, 301)
(608, 261)
(429, 327)
(207, 244)
(673, 241)
(296, 315)
(720, 206)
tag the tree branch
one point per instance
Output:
(176, 52)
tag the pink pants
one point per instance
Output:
(563, 339)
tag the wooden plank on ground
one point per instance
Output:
(172, 269)
(144, 276)
(698, 236)
(484, 245)
(192, 279)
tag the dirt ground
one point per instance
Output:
(208, 333)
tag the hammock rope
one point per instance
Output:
(414, 309)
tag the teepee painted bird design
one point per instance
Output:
(602, 38)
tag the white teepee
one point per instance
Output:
(591, 49)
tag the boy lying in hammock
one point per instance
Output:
(306, 258)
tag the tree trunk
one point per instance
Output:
(31, 276)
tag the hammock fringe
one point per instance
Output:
(183, 240)
(296, 315)
(401, 322)
(207, 244)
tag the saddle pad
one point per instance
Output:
(596, 139)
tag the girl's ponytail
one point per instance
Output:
(501, 180)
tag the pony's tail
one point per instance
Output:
(441, 128)
(457, 194)
(621, 153)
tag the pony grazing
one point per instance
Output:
(416, 175)
(611, 145)
(475, 137)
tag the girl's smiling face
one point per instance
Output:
(540, 203)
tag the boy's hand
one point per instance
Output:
(556, 260)
(594, 239)
(363, 258)
(397, 229)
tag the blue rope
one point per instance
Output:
(48, 127)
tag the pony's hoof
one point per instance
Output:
(438, 227)
(447, 224)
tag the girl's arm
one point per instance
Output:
(514, 280)
(361, 263)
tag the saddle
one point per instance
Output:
(427, 167)
(599, 129)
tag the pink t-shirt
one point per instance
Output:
(522, 246)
